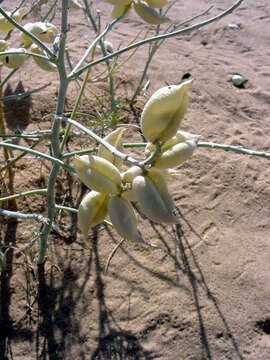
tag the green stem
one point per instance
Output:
(147, 64)
(75, 108)
(55, 135)
(61, 207)
(54, 160)
(97, 39)
(88, 151)
(25, 193)
(237, 149)
(19, 215)
(104, 52)
(108, 146)
(24, 94)
(159, 37)
(49, 11)
(7, 52)
(7, 77)
(13, 161)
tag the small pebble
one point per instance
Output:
(238, 80)
(234, 26)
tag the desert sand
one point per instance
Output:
(207, 296)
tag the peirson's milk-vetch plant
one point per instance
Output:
(113, 189)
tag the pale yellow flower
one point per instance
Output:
(145, 9)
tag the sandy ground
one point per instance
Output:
(208, 296)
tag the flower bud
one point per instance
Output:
(148, 13)
(98, 174)
(164, 111)
(44, 64)
(129, 175)
(154, 200)
(115, 139)
(123, 217)
(158, 3)
(5, 25)
(14, 61)
(92, 211)
(176, 155)
(44, 31)
(179, 137)
(158, 179)
(119, 7)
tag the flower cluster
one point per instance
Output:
(145, 9)
(44, 31)
(112, 191)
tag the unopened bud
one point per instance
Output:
(114, 139)
(98, 174)
(5, 25)
(123, 217)
(44, 31)
(176, 155)
(92, 211)
(14, 61)
(148, 13)
(164, 111)
(151, 200)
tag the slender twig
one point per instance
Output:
(19, 215)
(22, 136)
(55, 134)
(49, 11)
(159, 37)
(79, 152)
(39, 154)
(108, 146)
(75, 108)
(23, 94)
(7, 77)
(12, 161)
(61, 207)
(22, 194)
(97, 39)
(157, 44)
(111, 255)
(237, 149)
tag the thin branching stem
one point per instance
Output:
(233, 148)
(94, 136)
(104, 52)
(22, 194)
(12, 161)
(22, 216)
(10, 74)
(75, 108)
(54, 160)
(7, 52)
(93, 44)
(55, 134)
(23, 94)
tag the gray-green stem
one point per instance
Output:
(55, 160)
(55, 134)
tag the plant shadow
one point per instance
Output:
(57, 322)
(186, 263)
